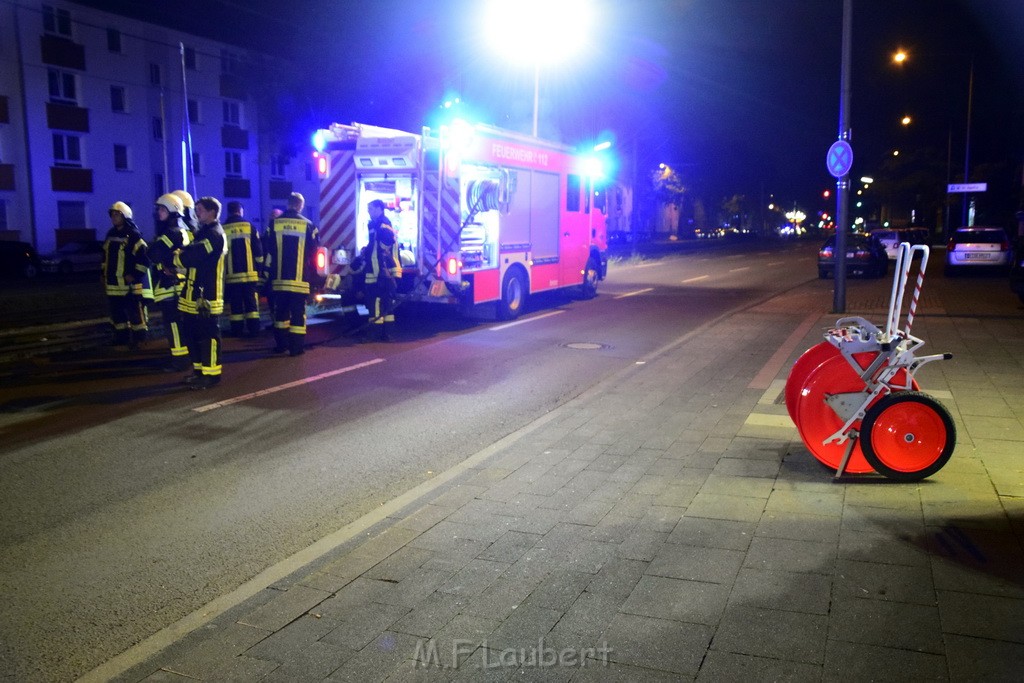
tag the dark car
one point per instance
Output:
(1017, 269)
(865, 255)
(18, 259)
(74, 257)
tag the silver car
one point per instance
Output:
(978, 247)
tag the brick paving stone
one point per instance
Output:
(643, 545)
(793, 556)
(660, 518)
(862, 662)
(876, 547)
(401, 564)
(826, 503)
(458, 496)
(798, 527)
(284, 608)
(474, 578)
(283, 644)
(612, 529)
(614, 672)
(590, 512)
(217, 648)
(559, 590)
(378, 659)
(878, 581)
(430, 614)
(241, 669)
(617, 578)
(982, 616)
(502, 597)
(313, 662)
(981, 659)
(889, 624)
(729, 667)
(777, 634)
(424, 518)
(589, 556)
(589, 616)
(713, 533)
(780, 590)
(413, 589)
(737, 485)
(458, 639)
(694, 563)
(658, 644)
(509, 547)
(746, 467)
(735, 508)
(360, 626)
(664, 598)
(523, 628)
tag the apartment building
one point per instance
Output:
(97, 108)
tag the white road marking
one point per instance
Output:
(737, 270)
(695, 279)
(524, 321)
(639, 291)
(775, 263)
(650, 264)
(288, 385)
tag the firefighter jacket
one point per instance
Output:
(291, 245)
(383, 256)
(203, 263)
(244, 261)
(124, 254)
(172, 236)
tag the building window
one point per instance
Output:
(63, 86)
(232, 164)
(118, 99)
(71, 215)
(158, 184)
(193, 111)
(232, 114)
(154, 74)
(158, 128)
(190, 58)
(230, 63)
(197, 163)
(3, 214)
(277, 166)
(57, 21)
(114, 40)
(67, 150)
(121, 157)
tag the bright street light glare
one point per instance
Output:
(537, 31)
(905, 120)
(899, 56)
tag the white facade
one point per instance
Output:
(85, 97)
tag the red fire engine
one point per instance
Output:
(482, 214)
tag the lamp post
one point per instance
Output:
(536, 32)
(900, 57)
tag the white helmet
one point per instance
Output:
(121, 208)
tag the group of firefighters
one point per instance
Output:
(196, 264)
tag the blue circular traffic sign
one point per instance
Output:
(839, 159)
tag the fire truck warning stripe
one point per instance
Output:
(288, 385)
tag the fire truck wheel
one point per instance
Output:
(513, 295)
(908, 436)
(591, 276)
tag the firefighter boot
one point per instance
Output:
(385, 331)
(252, 327)
(280, 342)
(296, 344)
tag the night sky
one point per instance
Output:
(742, 95)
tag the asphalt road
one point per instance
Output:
(128, 502)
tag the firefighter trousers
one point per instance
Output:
(244, 304)
(177, 339)
(202, 333)
(128, 318)
(289, 322)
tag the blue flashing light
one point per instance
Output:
(319, 141)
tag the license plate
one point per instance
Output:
(978, 256)
(850, 254)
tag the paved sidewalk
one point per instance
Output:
(670, 525)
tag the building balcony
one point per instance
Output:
(58, 51)
(7, 177)
(234, 138)
(67, 117)
(70, 179)
(237, 187)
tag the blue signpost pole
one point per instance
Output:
(843, 180)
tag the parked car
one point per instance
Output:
(1017, 269)
(892, 237)
(978, 247)
(865, 255)
(74, 257)
(18, 259)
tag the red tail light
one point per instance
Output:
(452, 265)
(321, 260)
(951, 245)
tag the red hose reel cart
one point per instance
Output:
(854, 399)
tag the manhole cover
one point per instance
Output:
(585, 346)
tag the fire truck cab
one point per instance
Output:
(482, 214)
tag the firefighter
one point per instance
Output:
(171, 236)
(292, 241)
(383, 269)
(202, 296)
(242, 272)
(188, 215)
(124, 260)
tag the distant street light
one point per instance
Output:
(538, 32)
(899, 57)
(905, 120)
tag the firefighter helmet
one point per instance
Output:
(186, 199)
(171, 203)
(121, 208)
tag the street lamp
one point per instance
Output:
(899, 57)
(538, 32)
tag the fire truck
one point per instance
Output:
(482, 214)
